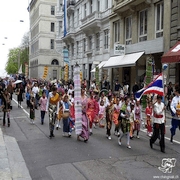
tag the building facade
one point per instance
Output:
(174, 68)
(141, 26)
(88, 35)
(44, 61)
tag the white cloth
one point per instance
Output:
(159, 110)
(174, 103)
(35, 90)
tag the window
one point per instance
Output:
(97, 41)
(106, 4)
(84, 44)
(52, 27)
(73, 20)
(85, 10)
(72, 49)
(128, 30)
(77, 47)
(52, 43)
(116, 31)
(159, 19)
(91, 6)
(54, 74)
(77, 17)
(90, 42)
(55, 62)
(52, 10)
(143, 25)
(98, 5)
(60, 27)
(106, 39)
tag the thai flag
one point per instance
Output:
(155, 87)
(65, 17)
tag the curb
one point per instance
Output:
(12, 164)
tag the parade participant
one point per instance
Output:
(53, 108)
(137, 117)
(19, 92)
(43, 103)
(131, 119)
(28, 95)
(109, 116)
(66, 115)
(91, 109)
(148, 113)
(175, 109)
(96, 119)
(85, 132)
(10, 89)
(32, 108)
(70, 91)
(159, 123)
(102, 114)
(169, 95)
(117, 108)
(104, 98)
(35, 90)
(125, 122)
(60, 114)
(6, 103)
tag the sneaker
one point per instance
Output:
(137, 137)
(69, 134)
(119, 141)
(33, 122)
(63, 134)
(129, 147)
(109, 137)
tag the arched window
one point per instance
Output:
(55, 62)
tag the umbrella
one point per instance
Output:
(17, 82)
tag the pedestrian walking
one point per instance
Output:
(32, 108)
(159, 123)
(53, 108)
(42, 104)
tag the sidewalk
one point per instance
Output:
(12, 164)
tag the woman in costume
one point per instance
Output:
(6, 102)
(85, 132)
(137, 118)
(149, 112)
(91, 109)
(53, 108)
(125, 122)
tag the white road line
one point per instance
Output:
(145, 131)
(21, 107)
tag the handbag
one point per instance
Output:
(65, 115)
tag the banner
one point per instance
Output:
(26, 69)
(45, 72)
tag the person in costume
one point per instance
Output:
(175, 110)
(53, 108)
(42, 104)
(131, 119)
(6, 102)
(117, 108)
(159, 123)
(102, 114)
(148, 113)
(109, 116)
(91, 109)
(85, 132)
(137, 118)
(125, 123)
(66, 115)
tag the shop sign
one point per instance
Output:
(119, 49)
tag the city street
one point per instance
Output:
(63, 158)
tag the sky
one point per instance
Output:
(11, 12)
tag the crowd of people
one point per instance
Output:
(100, 107)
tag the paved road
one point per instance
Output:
(65, 158)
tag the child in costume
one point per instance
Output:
(148, 113)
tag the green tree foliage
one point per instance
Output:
(18, 56)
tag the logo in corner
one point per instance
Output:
(167, 165)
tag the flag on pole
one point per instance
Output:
(65, 17)
(155, 87)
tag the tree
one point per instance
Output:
(18, 56)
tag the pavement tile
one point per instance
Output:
(64, 172)
(5, 174)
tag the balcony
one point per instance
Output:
(124, 5)
(70, 6)
(70, 35)
(91, 21)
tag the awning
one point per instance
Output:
(123, 61)
(100, 65)
(173, 55)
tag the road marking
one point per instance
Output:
(145, 131)
(21, 107)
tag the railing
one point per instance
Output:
(94, 15)
(70, 3)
